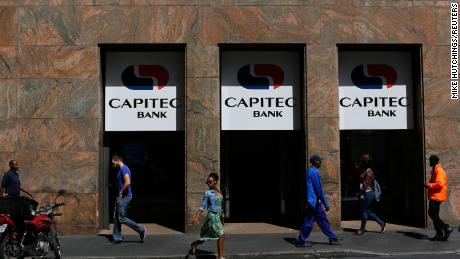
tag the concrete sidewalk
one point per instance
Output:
(277, 245)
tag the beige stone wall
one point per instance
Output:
(50, 103)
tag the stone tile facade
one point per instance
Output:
(50, 103)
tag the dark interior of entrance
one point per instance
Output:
(397, 162)
(263, 175)
(157, 164)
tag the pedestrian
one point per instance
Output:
(11, 184)
(367, 196)
(437, 194)
(315, 202)
(212, 228)
(124, 197)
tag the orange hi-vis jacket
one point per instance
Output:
(437, 187)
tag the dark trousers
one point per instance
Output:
(433, 212)
(315, 214)
(366, 212)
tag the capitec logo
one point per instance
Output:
(375, 106)
(145, 82)
(146, 107)
(373, 81)
(264, 106)
(260, 81)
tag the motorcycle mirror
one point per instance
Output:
(61, 192)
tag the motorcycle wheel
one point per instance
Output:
(6, 245)
(55, 245)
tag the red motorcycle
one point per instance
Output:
(35, 237)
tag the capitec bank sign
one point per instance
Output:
(144, 91)
(375, 90)
(260, 90)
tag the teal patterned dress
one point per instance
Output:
(212, 228)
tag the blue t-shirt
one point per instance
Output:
(124, 170)
(11, 183)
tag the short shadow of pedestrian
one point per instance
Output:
(352, 230)
(349, 230)
(108, 236)
(414, 235)
(131, 241)
(293, 241)
(110, 239)
(201, 254)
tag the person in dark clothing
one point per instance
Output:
(11, 184)
(368, 196)
(11, 187)
(315, 202)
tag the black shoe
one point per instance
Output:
(437, 238)
(384, 227)
(116, 242)
(335, 241)
(447, 233)
(142, 235)
(306, 244)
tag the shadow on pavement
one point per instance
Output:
(353, 230)
(414, 235)
(293, 241)
(290, 240)
(201, 254)
(109, 237)
(349, 230)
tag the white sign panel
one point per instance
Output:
(260, 90)
(375, 90)
(144, 91)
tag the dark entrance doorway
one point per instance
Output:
(263, 175)
(397, 162)
(144, 88)
(395, 141)
(157, 164)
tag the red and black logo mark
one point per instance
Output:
(375, 72)
(260, 81)
(145, 82)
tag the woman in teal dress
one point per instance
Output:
(212, 228)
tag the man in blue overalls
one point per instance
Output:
(315, 202)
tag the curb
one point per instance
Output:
(426, 253)
(306, 254)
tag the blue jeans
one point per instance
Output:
(119, 217)
(366, 212)
(315, 214)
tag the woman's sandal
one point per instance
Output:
(192, 248)
(360, 232)
(384, 227)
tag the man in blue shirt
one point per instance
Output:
(10, 183)
(315, 202)
(124, 197)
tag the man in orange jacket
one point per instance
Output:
(437, 193)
